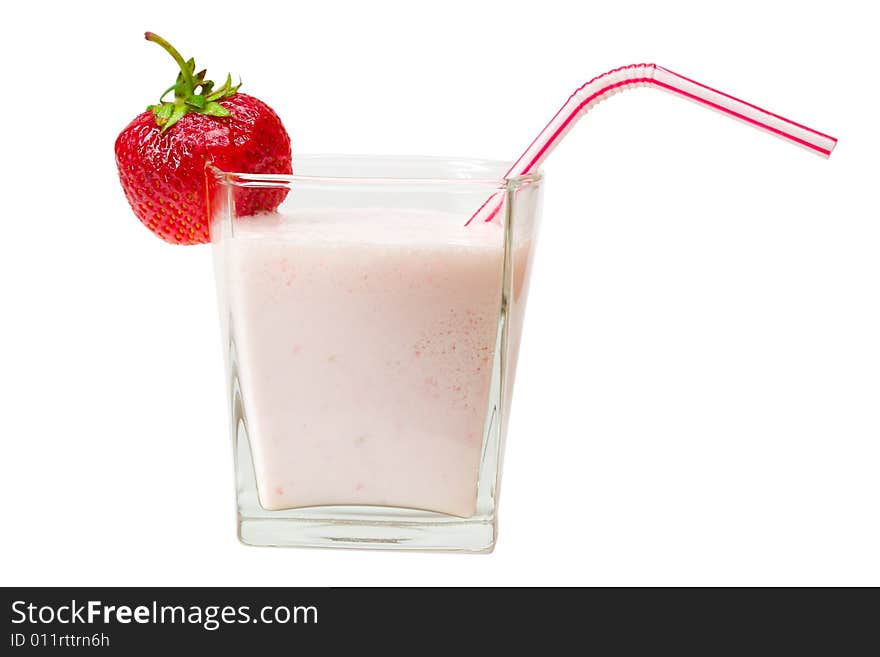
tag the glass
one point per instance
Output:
(371, 343)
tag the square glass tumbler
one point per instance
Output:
(371, 342)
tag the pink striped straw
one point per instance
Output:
(641, 75)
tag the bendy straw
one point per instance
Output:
(641, 75)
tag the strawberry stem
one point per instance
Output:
(181, 62)
(192, 92)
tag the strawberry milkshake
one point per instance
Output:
(372, 307)
(366, 341)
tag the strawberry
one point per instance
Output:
(161, 154)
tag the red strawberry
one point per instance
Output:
(161, 155)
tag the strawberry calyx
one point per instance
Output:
(192, 92)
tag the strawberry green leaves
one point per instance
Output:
(192, 92)
(162, 112)
(215, 109)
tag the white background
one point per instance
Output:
(700, 372)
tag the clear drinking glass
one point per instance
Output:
(371, 343)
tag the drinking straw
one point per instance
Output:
(642, 75)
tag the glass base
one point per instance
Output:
(361, 527)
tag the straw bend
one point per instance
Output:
(643, 75)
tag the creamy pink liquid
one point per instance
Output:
(365, 342)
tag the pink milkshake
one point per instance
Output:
(366, 341)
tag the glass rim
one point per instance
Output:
(247, 179)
